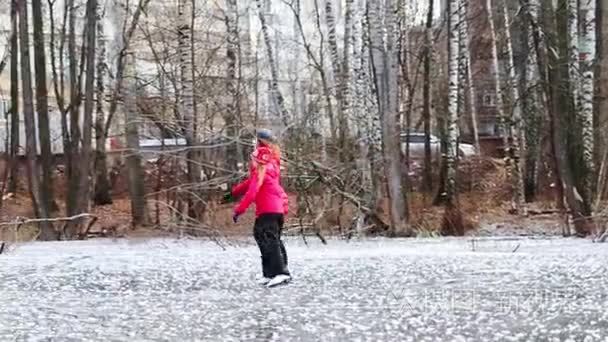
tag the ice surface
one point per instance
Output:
(368, 290)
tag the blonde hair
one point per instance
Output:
(275, 148)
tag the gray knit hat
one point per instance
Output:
(265, 134)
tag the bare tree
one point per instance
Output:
(532, 111)
(427, 99)
(274, 72)
(453, 217)
(14, 143)
(89, 104)
(516, 128)
(72, 143)
(136, 176)
(186, 95)
(47, 203)
(465, 46)
(40, 210)
(102, 183)
(232, 49)
(573, 46)
(385, 67)
(588, 58)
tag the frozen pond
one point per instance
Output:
(370, 290)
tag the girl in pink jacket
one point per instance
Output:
(263, 187)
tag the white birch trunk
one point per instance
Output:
(466, 52)
(232, 48)
(497, 82)
(533, 107)
(453, 86)
(588, 57)
(102, 184)
(330, 21)
(346, 77)
(573, 44)
(462, 56)
(186, 103)
(517, 131)
(274, 72)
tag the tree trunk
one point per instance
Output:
(31, 150)
(601, 120)
(345, 78)
(102, 183)
(462, 59)
(136, 175)
(497, 83)
(14, 144)
(72, 149)
(427, 100)
(588, 59)
(186, 103)
(518, 147)
(533, 117)
(468, 77)
(452, 224)
(335, 72)
(274, 72)
(89, 104)
(47, 202)
(385, 66)
(550, 75)
(573, 51)
(230, 118)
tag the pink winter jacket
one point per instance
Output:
(264, 188)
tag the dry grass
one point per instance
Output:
(484, 196)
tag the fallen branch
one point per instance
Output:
(21, 221)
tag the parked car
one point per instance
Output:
(416, 143)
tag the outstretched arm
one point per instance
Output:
(255, 182)
(240, 188)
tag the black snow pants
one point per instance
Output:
(267, 233)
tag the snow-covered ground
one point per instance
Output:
(370, 290)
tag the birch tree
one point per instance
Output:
(186, 96)
(497, 81)
(102, 183)
(332, 41)
(232, 49)
(346, 70)
(551, 97)
(588, 57)
(573, 51)
(467, 73)
(385, 67)
(516, 128)
(533, 111)
(274, 72)
(427, 99)
(453, 218)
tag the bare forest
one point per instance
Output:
(395, 118)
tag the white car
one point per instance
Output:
(416, 143)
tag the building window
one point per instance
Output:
(489, 100)
(4, 108)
